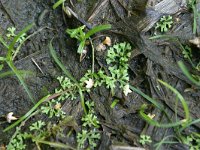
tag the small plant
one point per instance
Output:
(187, 52)
(53, 108)
(90, 124)
(37, 126)
(117, 59)
(90, 119)
(36, 133)
(90, 136)
(144, 139)
(12, 34)
(68, 89)
(17, 142)
(165, 23)
(81, 36)
(10, 48)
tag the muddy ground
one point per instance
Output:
(150, 60)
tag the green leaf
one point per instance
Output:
(187, 74)
(2, 59)
(97, 29)
(114, 103)
(27, 114)
(11, 46)
(81, 47)
(58, 3)
(184, 122)
(3, 42)
(77, 33)
(1, 66)
(37, 125)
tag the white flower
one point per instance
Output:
(10, 117)
(151, 115)
(126, 90)
(89, 83)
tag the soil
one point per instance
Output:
(132, 21)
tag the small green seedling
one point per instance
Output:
(90, 119)
(17, 143)
(81, 36)
(193, 141)
(165, 23)
(53, 109)
(90, 124)
(11, 34)
(36, 133)
(90, 136)
(68, 88)
(187, 52)
(58, 3)
(117, 59)
(144, 139)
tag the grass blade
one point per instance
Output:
(11, 73)
(154, 102)
(156, 123)
(17, 73)
(67, 73)
(62, 67)
(11, 46)
(97, 29)
(59, 2)
(3, 42)
(27, 114)
(187, 74)
(183, 122)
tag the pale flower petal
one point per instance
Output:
(126, 90)
(10, 117)
(107, 41)
(89, 83)
(151, 115)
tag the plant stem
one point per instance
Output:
(27, 114)
(62, 67)
(92, 54)
(14, 69)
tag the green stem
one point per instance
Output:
(3, 42)
(194, 19)
(62, 67)
(12, 44)
(92, 55)
(187, 74)
(27, 114)
(11, 73)
(14, 69)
